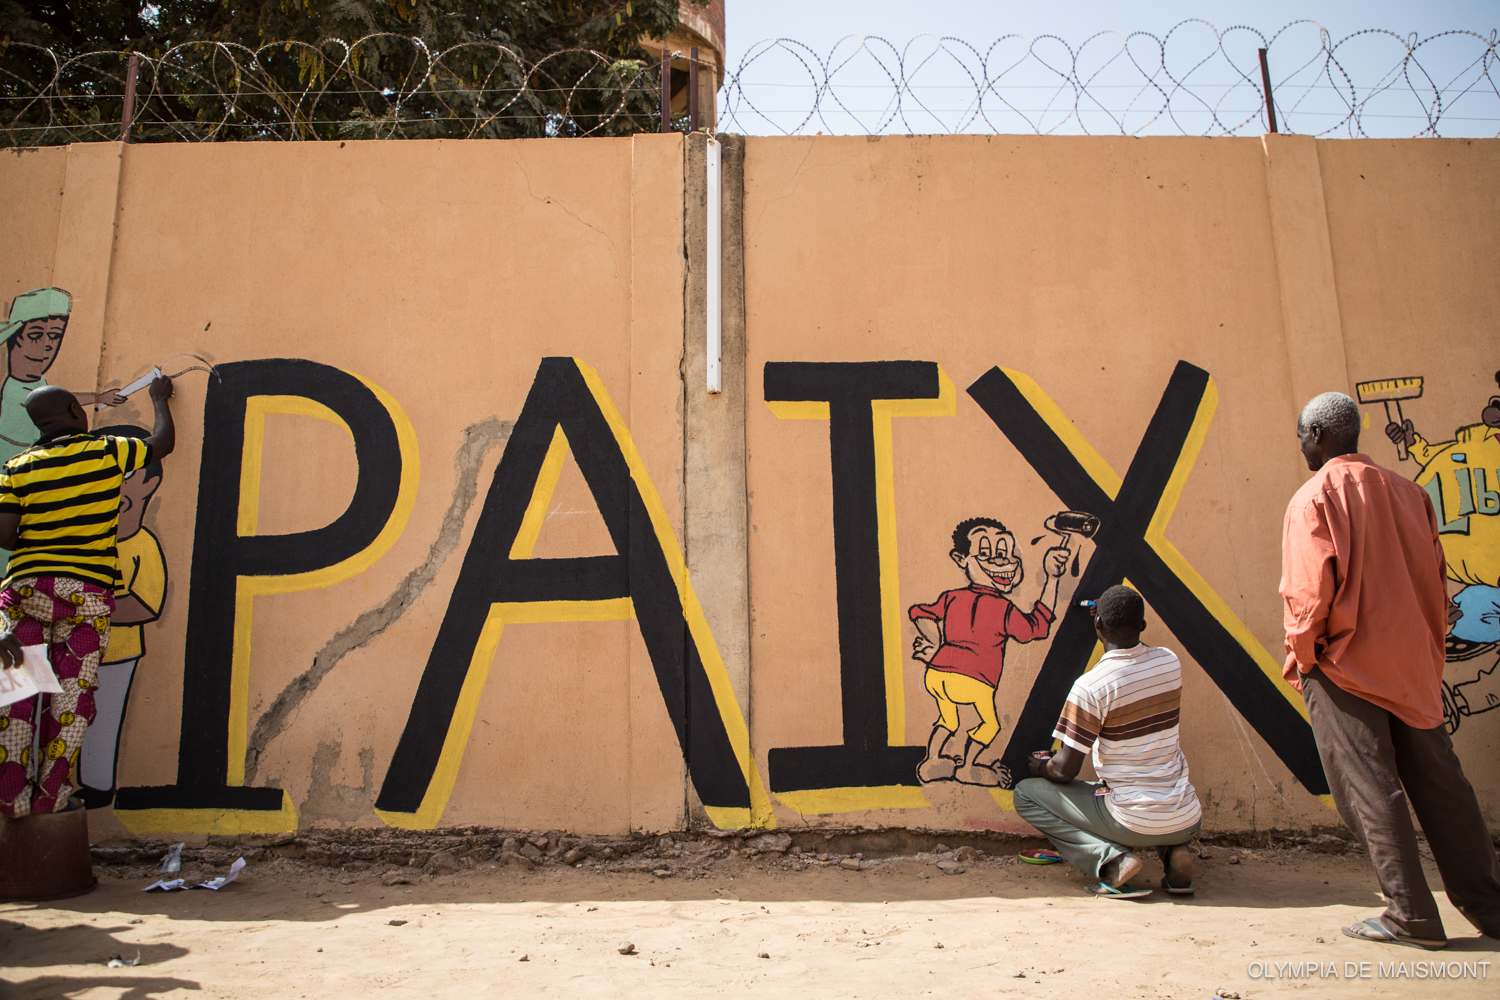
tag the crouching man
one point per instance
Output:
(1125, 710)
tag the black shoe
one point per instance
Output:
(95, 798)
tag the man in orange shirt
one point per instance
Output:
(1362, 575)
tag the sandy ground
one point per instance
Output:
(736, 928)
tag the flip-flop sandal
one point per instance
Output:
(1176, 890)
(1108, 891)
(1374, 930)
(1040, 856)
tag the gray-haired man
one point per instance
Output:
(1362, 575)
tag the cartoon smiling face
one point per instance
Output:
(992, 560)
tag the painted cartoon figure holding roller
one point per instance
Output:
(1462, 476)
(962, 636)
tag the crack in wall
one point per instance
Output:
(479, 438)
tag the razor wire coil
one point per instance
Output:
(216, 91)
(1192, 80)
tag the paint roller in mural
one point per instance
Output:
(1127, 520)
(1462, 476)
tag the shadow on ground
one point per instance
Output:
(31, 947)
(285, 890)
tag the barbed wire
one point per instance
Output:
(1193, 80)
(380, 87)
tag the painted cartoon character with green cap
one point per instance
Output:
(33, 333)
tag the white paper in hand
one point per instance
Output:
(33, 676)
(40, 668)
(15, 685)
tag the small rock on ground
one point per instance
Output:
(626, 949)
(441, 863)
(770, 842)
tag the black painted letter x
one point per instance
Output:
(1129, 545)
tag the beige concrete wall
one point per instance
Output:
(451, 656)
(1093, 267)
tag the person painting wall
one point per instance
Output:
(59, 509)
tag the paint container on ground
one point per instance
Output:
(46, 856)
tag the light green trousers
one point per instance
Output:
(1080, 825)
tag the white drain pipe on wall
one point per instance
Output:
(714, 253)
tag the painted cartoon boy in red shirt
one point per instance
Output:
(962, 635)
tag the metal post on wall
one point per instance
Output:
(693, 88)
(666, 90)
(713, 321)
(1265, 78)
(127, 113)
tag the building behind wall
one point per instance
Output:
(699, 29)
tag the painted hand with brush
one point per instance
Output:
(961, 638)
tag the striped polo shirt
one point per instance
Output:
(67, 491)
(1126, 711)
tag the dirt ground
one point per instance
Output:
(773, 925)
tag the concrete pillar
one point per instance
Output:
(1304, 268)
(716, 518)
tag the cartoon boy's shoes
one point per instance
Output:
(936, 769)
(978, 774)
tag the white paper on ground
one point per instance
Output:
(162, 885)
(32, 677)
(218, 883)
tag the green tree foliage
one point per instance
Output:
(330, 69)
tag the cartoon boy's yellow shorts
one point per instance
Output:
(951, 690)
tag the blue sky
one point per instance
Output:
(1030, 97)
(823, 21)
